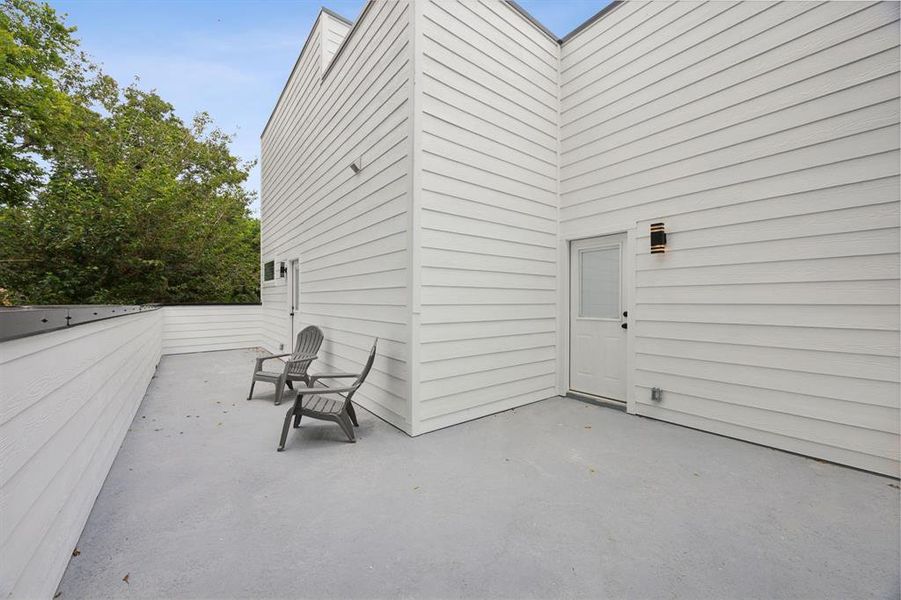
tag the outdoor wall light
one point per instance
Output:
(658, 238)
(282, 269)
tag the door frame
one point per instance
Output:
(615, 241)
(564, 270)
(293, 304)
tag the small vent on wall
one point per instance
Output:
(656, 394)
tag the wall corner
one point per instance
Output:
(414, 231)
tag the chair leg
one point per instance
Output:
(250, 394)
(289, 384)
(352, 414)
(279, 390)
(285, 428)
(297, 416)
(344, 422)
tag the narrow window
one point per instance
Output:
(600, 287)
(269, 271)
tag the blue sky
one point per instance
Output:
(228, 57)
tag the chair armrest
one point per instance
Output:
(302, 391)
(260, 359)
(332, 376)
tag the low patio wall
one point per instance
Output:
(67, 398)
(203, 328)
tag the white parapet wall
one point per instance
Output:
(67, 398)
(208, 327)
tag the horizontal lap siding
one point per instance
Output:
(489, 215)
(68, 398)
(210, 327)
(348, 230)
(334, 33)
(765, 136)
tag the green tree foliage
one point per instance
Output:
(105, 194)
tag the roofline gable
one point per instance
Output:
(353, 26)
(303, 50)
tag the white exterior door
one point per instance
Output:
(293, 301)
(598, 317)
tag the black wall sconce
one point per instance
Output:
(658, 238)
(282, 269)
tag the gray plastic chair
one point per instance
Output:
(316, 403)
(307, 345)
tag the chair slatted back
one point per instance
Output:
(308, 342)
(362, 377)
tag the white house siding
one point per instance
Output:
(765, 137)
(209, 327)
(488, 177)
(68, 398)
(349, 231)
(334, 30)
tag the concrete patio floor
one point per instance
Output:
(556, 499)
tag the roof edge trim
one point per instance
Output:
(560, 41)
(341, 18)
(531, 19)
(590, 21)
